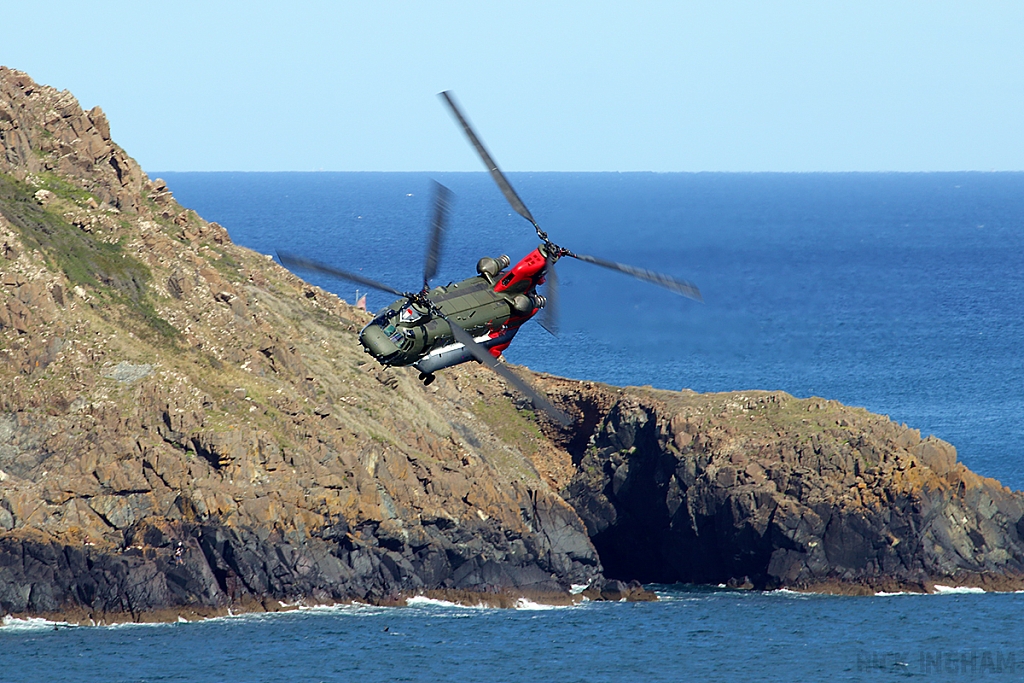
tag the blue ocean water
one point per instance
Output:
(901, 293)
(897, 292)
(706, 634)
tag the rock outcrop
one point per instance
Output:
(183, 422)
(763, 490)
(186, 427)
(45, 131)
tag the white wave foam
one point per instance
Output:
(879, 594)
(137, 624)
(521, 604)
(424, 601)
(13, 623)
(10, 622)
(953, 590)
(351, 608)
(939, 590)
(296, 608)
(524, 604)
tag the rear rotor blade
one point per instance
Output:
(292, 261)
(484, 356)
(549, 321)
(499, 177)
(442, 204)
(687, 289)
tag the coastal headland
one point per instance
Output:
(186, 428)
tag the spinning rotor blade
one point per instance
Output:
(499, 177)
(687, 289)
(292, 261)
(484, 356)
(442, 204)
(549, 321)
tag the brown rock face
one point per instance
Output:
(765, 490)
(183, 422)
(185, 426)
(43, 130)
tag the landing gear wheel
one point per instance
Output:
(426, 378)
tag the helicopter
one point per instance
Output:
(476, 318)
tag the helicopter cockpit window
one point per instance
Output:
(409, 315)
(383, 319)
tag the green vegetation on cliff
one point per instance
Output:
(113, 275)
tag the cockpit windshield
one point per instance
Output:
(384, 319)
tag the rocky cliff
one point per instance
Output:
(186, 427)
(763, 490)
(185, 423)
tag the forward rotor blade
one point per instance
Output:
(292, 261)
(484, 356)
(442, 204)
(687, 289)
(499, 177)
(549, 321)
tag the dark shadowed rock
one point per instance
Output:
(763, 489)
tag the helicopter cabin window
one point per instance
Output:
(403, 339)
(507, 279)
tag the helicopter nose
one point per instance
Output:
(377, 343)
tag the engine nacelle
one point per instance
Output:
(525, 303)
(522, 303)
(490, 267)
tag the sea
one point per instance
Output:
(902, 293)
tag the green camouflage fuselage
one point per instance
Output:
(490, 306)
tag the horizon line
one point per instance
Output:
(483, 172)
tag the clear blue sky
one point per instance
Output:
(552, 86)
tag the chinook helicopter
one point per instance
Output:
(477, 318)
